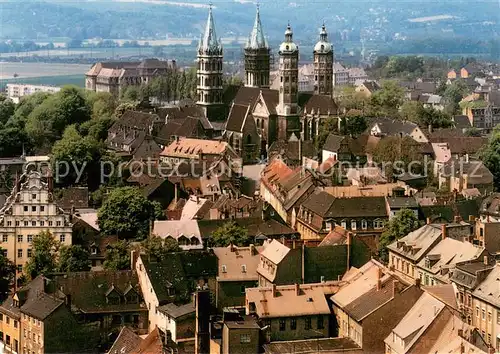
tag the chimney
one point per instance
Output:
(202, 336)
(274, 291)
(303, 261)
(379, 279)
(444, 231)
(428, 220)
(297, 289)
(133, 259)
(485, 260)
(417, 282)
(395, 284)
(349, 243)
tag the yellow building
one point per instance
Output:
(29, 210)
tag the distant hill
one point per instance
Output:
(347, 20)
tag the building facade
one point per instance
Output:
(16, 91)
(323, 65)
(210, 57)
(29, 210)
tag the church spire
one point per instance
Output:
(257, 38)
(209, 41)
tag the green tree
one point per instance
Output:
(400, 225)
(230, 234)
(118, 256)
(396, 154)
(7, 275)
(43, 255)
(159, 248)
(347, 99)
(410, 111)
(473, 132)
(388, 99)
(102, 104)
(97, 128)
(73, 258)
(7, 109)
(25, 107)
(327, 126)
(353, 125)
(127, 213)
(46, 123)
(82, 152)
(453, 94)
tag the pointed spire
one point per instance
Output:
(323, 35)
(257, 38)
(209, 40)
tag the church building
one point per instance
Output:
(259, 116)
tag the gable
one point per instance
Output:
(260, 109)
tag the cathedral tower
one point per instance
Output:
(323, 65)
(288, 119)
(209, 73)
(257, 56)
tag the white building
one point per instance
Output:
(29, 210)
(340, 75)
(16, 91)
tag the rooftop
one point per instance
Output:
(326, 345)
(237, 263)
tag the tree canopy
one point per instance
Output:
(118, 256)
(7, 275)
(127, 213)
(159, 248)
(73, 258)
(400, 225)
(43, 255)
(230, 234)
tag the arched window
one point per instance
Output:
(343, 223)
(353, 225)
(364, 224)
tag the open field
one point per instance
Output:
(33, 70)
(60, 80)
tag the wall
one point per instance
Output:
(229, 293)
(148, 294)
(11, 329)
(231, 340)
(327, 154)
(300, 332)
(489, 325)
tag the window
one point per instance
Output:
(483, 314)
(320, 323)
(364, 224)
(9, 223)
(1, 317)
(378, 224)
(7, 319)
(343, 223)
(19, 268)
(33, 208)
(33, 223)
(42, 223)
(25, 208)
(30, 238)
(489, 316)
(282, 324)
(19, 238)
(58, 223)
(62, 238)
(18, 223)
(28, 253)
(20, 253)
(353, 224)
(42, 208)
(489, 338)
(33, 196)
(25, 223)
(244, 338)
(477, 311)
(308, 323)
(242, 290)
(7, 339)
(50, 223)
(498, 317)
(15, 324)
(293, 324)
(5, 238)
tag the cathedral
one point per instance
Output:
(261, 118)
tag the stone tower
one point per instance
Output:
(209, 73)
(323, 65)
(288, 110)
(257, 56)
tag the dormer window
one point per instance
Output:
(224, 268)
(93, 250)
(244, 268)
